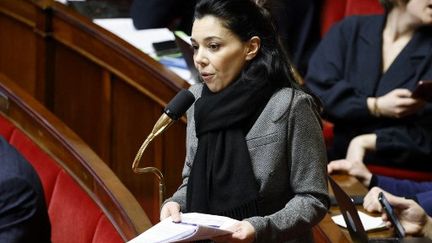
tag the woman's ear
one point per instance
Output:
(253, 47)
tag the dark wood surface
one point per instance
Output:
(104, 89)
(75, 157)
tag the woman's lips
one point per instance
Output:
(206, 77)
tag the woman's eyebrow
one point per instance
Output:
(208, 38)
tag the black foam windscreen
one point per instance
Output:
(179, 104)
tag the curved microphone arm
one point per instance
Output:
(163, 123)
(173, 111)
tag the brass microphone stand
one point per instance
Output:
(163, 123)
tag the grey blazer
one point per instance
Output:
(289, 162)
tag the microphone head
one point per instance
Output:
(179, 104)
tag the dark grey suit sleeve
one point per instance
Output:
(23, 213)
(18, 203)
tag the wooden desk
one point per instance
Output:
(353, 187)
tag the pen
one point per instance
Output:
(185, 223)
(192, 224)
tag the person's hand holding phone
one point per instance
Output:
(397, 103)
(423, 90)
(411, 215)
(391, 216)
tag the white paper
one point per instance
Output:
(369, 222)
(141, 39)
(193, 226)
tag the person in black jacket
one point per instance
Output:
(23, 212)
(172, 14)
(364, 72)
(298, 24)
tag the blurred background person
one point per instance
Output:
(171, 14)
(23, 213)
(298, 24)
(364, 71)
(421, 192)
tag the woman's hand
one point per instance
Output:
(243, 231)
(171, 209)
(354, 168)
(396, 104)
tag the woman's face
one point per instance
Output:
(219, 55)
(421, 11)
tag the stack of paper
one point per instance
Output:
(193, 227)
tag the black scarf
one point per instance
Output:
(221, 180)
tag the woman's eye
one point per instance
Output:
(194, 48)
(213, 47)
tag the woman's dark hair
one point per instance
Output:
(387, 4)
(390, 4)
(246, 19)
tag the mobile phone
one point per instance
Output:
(165, 48)
(400, 232)
(423, 90)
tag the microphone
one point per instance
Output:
(179, 104)
(172, 112)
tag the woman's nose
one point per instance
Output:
(200, 58)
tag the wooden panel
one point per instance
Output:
(24, 37)
(107, 91)
(140, 88)
(173, 156)
(81, 95)
(18, 53)
(133, 118)
(115, 55)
